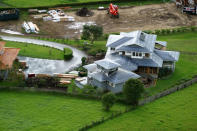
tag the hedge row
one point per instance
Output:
(68, 54)
(172, 31)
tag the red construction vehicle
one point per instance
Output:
(113, 11)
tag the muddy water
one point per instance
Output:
(46, 66)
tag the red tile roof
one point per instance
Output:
(8, 56)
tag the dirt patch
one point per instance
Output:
(148, 17)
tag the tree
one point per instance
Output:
(108, 100)
(92, 32)
(133, 90)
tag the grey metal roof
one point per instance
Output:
(148, 40)
(168, 55)
(132, 64)
(107, 64)
(91, 67)
(134, 48)
(117, 77)
(119, 42)
(163, 43)
(124, 62)
(122, 76)
(99, 76)
(145, 62)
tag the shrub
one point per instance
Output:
(163, 31)
(193, 28)
(108, 100)
(132, 91)
(83, 61)
(148, 31)
(168, 31)
(68, 54)
(42, 81)
(157, 32)
(105, 36)
(88, 89)
(178, 30)
(174, 30)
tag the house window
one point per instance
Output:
(142, 37)
(140, 54)
(136, 54)
(147, 55)
(113, 49)
(133, 53)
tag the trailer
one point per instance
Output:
(12, 14)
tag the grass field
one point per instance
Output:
(38, 3)
(37, 51)
(21, 111)
(177, 111)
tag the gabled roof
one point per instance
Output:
(117, 77)
(99, 76)
(8, 57)
(124, 62)
(107, 64)
(119, 42)
(142, 39)
(122, 76)
(145, 62)
(133, 38)
(168, 55)
(132, 64)
(133, 48)
(2, 44)
(162, 43)
(91, 67)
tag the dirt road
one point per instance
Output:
(148, 17)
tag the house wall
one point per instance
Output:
(96, 83)
(117, 89)
(169, 64)
(104, 86)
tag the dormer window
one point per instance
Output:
(113, 49)
(142, 36)
(137, 55)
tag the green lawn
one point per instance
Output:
(38, 3)
(21, 111)
(37, 51)
(177, 111)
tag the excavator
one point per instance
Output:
(188, 6)
(113, 11)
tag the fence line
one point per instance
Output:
(168, 91)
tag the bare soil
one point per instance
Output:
(148, 17)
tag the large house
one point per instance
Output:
(130, 55)
(7, 57)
